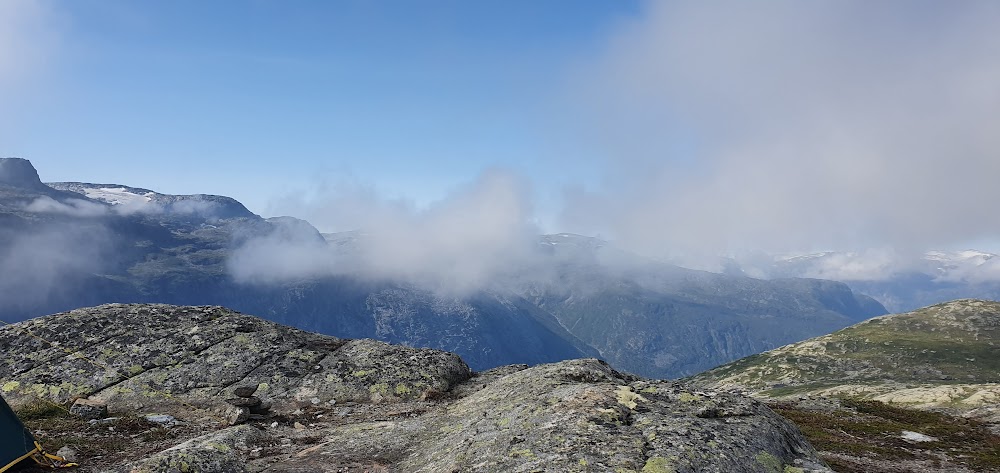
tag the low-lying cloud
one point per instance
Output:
(84, 208)
(795, 126)
(456, 245)
(40, 267)
(728, 128)
(68, 207)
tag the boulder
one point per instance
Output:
(234, 415)
(89, 408)
(224, 451)
(248, 402)
(153, 353)
(245, 391)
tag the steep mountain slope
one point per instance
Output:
(72, 244)
(947, 354)
(668, 321)
(98, 243)
(360, 405)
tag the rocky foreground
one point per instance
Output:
(328, 404)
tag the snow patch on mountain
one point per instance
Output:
(118, 195)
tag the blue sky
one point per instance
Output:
(253, 99)
(672, 127)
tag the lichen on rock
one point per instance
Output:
(346, 405)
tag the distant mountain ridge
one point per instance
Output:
(134, 199)
(900, 282)
(682, 321)
(77, 244)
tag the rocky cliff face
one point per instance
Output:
(363, 405)
(17, 172)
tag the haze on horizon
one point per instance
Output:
(453, 132)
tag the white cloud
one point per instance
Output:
(71, 207)
(43, 264)
(285, 254)
(789, 125)
(458, 244)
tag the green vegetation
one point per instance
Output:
(873, 430)
(55, 428)
(951, 343)
(40, 409)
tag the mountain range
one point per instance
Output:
(900, 281)
(70, 244)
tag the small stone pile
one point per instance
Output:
(245, 406)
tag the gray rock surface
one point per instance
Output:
(218, 452)
(89, 409)
(578, 415)
(18, 172)
(361, 405)
(142, 354)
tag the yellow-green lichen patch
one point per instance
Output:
(688, 397)
(771, 463)
(628, 398)
(611, 415)
(658, 465)
(380, 388)
(448, 429)
(524, 452)
(11, 386)
(219, 446)
(358, 374)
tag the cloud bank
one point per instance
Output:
(70, 207)
(732, 128)
(458, 244)
(45, 265)
(791, 126)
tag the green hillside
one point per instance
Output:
(948, 351)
